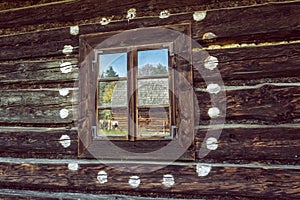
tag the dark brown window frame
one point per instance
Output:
(91, 147)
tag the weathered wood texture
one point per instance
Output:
(37, 142)
(31, 51)
(251, 66)
(39, 107)
(240, 29)
(37, 74)
(68, 13)
(246, 24)
(45, 44)
(23, 197)
(276, 145)
(230, 180)
(265, 145)
(21, 4)
(267, 104)
(30, 194)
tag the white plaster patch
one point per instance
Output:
(73, 166)
(74, 30)
(213, 112)
(102, 177)
(63, 113)
(104, 21)
(211, 62)
(164, 14)
(209, 36)
(64, 91)
(131, 14)
(213, 88)
(203, 169)
(199, 15)
(66, 67)
(211, 143)
(134, 181)
(168, 180)
(65, 141)
(68, 49)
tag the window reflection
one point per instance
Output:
(153, 62)
(113, 65)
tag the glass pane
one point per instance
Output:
(113, 122)
(153, 92)
(112, 94)
(153, 62)
(154, 121)
(113, 65)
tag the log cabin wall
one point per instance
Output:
(256, 43)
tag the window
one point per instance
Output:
(132, 95)
(149, 115)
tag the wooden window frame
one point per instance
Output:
(90, 146)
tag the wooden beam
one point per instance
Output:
(37, 142)
(251, 66)
(37, 44)
(268, 104)
(243, 28)
(37, 74)
(17, 4)
(237, 144)
(58, 15)
(226, 181)
(8, 194)
(241, 25)
(40, 106)
(245, 145)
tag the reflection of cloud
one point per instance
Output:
(153, 57)
(118, 61)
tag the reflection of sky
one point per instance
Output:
(153, 57)
(118, 61)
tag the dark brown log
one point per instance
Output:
(21, 4)
(76, 12)
(251, 24)
(245, 29)
(37, 142)
(37, 74)
(227, 180)
(253, 65)
(261, 144)
(267, 104)
(39, 107)
(37, 44)
(276, 145)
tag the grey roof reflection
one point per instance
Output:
(150, 92)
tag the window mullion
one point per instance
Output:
(132, 93)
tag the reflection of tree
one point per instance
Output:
(150, 70)
(108, 92)
(106, 114)
(107, 88)
(110, 72)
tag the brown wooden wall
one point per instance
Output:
(257, 44)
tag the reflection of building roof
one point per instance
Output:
(150, 92)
